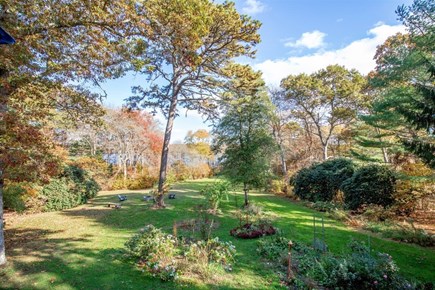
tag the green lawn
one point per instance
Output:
(82, 248)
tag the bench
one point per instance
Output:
(148, 198)
(172, 196)
(122, 197)
(114, 205)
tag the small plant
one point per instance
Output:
(213, 251)
(359, 269)
(205, 222)
(324, 206)
(252, 223)
(273, 248)
(215, 193)
(162, 255)
(155, 252)
(403, 233)
(376, 213)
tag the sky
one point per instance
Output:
(298, 36)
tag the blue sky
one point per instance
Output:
(298, 36)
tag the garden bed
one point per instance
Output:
(252, 231)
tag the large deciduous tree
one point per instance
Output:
(325, 100)
(58, 43)
(242, 134)
(188, 44)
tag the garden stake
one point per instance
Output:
(323, 235)
(314, 226)
(290, 275)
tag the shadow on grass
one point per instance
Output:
(38, 256)
(39, 261)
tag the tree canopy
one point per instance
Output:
(242, 134)
(183, 54)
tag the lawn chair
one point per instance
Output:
(122, 197)
(148, 198)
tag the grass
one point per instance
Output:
(81, 248)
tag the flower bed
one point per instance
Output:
(252, 231)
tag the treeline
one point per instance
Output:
(119, 150)
(382, 123)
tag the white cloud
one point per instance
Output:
(253, 7)
(358, 55)
(310, 40)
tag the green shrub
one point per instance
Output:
(359, 269)
(60, 194)
(403, 233)
(73, 187)
(372, 184)
(215, 193)
(14, 197)
(325, 206)
(96, 167)
(155, 251)
(322, 181)
(211, 251)
(163, 256)
(274, 247)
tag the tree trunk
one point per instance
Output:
(245, 189)
(325, 152)
(124, 167)
(283, 164)
(385, 155)
(2, 237)
(3, 110)
(384, 150)
(165, 153)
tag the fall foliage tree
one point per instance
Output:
(325, 100)
(188, 44)
(200, 142)
(132, 137)
(43, 71)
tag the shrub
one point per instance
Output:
(73, 187)
(180, 171)
(277, 186)
(322, 181)
(142, 182)
(253, 223)
(273, 248)
(201, 170)
(375, 212)
(403, 233)
(372, 184)
(155, 252)
(14, 197)
(96, 168)
(414, 185)
(163, 256)
(212, 251)
(358, 269)
(325, 206)
(215, 193)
